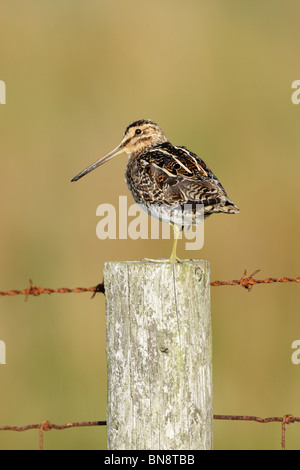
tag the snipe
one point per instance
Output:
(168, 181)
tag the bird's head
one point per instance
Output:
(139, 136)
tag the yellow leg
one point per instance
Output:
(173, 257)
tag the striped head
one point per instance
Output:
(139, 136)
(142, 135)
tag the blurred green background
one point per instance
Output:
(216, 76)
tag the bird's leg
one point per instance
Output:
(173, 258)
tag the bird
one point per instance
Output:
(168, 181)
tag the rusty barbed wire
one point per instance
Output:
(45, 426)
(248, 281)
(245, 281)
(35, 290)
(286, 419)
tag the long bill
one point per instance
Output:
(99, 162)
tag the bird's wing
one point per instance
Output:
(183, 176)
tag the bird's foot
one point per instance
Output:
(161, 260)
(166, 260)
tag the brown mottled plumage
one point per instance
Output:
(169, 182)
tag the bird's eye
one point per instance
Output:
(138, 131)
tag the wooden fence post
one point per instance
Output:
(159, 355)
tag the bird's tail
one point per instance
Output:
(230, 208)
